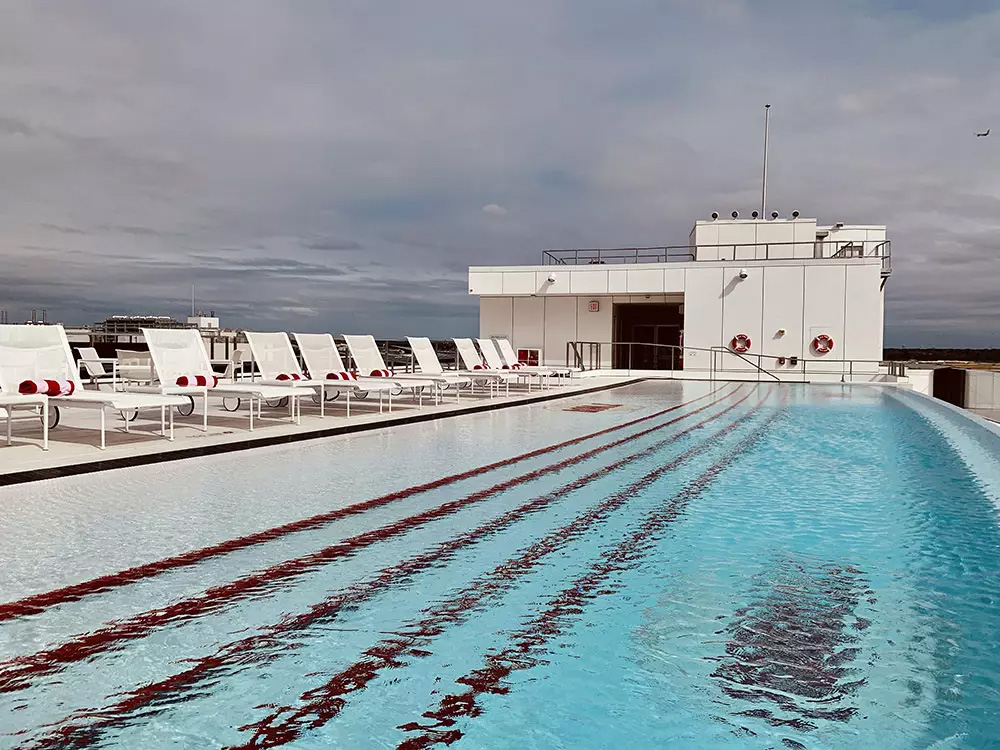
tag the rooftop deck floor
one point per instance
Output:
(74, 444)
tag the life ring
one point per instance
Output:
(822, 344)
(740, 343)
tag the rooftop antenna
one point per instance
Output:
(763, 181)
(192, 300)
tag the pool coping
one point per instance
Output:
(178, 454)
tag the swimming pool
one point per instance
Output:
(658, 565)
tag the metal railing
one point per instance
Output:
(591, 355)
(732, 252)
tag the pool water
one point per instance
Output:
(672, 565)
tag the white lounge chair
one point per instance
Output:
(367, 357)
(509, 358)
(180, 353)
(323, 362)
(472, 361)
(493, 360)
(278, 365)
(427, 360)
(36, 403)
(33, 352)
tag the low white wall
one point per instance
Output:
(982, 389)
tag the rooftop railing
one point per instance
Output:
(672, 358)
(713, 253)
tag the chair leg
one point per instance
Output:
(45, 426)
(103, 426)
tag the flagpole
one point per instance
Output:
(763, 181)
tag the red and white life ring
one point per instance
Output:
(740, 343)
(822, 344)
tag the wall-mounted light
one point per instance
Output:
(774, 214)
(715, 215)
(755, 215)
(795, 214)
(744, 273)
(735, 214)
(781, 331)
(552, 278)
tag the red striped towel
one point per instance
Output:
(47, 387)
(341, 376)
(199, 380)
(381, 374)
(291, 376)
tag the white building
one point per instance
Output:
(797, 299)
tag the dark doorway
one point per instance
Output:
(637, 327)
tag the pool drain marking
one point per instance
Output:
(16, 673)
(550, 623)
(37, 603)
(323, 703)
(783, 646)
(592, 408)
(70, 735)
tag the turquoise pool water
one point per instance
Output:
(753, 566)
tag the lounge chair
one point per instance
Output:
(493, 360)
(368, 359)
(36, 403)
(182, 367)
(41, 352)
(427, 360)
(472, 361)
(509, 358)
(323, 362)
(278, 365)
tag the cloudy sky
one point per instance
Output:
(321, 165)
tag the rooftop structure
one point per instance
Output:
(788, 296)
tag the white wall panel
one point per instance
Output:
(673, 281)
(518, 282)
(560, 327)
(863, 316)
(782, 310)
(617, 281)
(645, 281)
(589, 282)
(485, 283)
(824, 311)
(529, 322)
(702, 313)
(496, 317)
(741, 311)
(561, 285)
(595, 326)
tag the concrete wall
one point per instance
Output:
(838, 297)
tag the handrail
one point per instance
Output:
(575, 357)
(740, 355)
(814, 250)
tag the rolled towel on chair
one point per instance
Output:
(47, 387)
(341, 376)
(291, 376)
(381, 373)
(198, 380)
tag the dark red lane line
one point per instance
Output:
(560, 611)
(18, 673)
(36, 603)
(262, 647)
(319, 705)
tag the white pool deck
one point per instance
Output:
(74, 444)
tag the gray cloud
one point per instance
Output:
(327, 165)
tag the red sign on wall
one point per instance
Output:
(594, 306)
